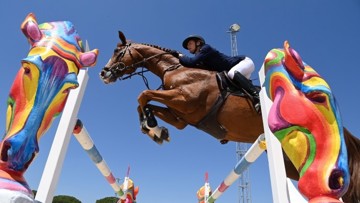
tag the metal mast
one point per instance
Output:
(241, 148)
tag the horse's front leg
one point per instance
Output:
(173, 98)
(146, 112)
(166, 115)
(149, 125)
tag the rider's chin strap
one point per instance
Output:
(197, 47)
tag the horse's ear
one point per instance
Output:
(31, 29)
(122, 38)
(293, 62)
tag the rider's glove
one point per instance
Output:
(174, 53)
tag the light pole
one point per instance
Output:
(234, 28)
(241, 148)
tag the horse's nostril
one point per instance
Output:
(27, 164)
(4, 151)
(336, 179)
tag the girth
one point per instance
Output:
(210, 123)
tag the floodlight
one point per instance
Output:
(235, 27)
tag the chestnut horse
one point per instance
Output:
(195, 97)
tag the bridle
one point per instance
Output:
(120, 67)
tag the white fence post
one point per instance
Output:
(62, 137)
(280, 184)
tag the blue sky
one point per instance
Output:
(325, 33)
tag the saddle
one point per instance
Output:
(210, 123)
(226, 85)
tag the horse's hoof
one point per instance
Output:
(154, 137)
(165, 134)
(143, 127)
(158, 140)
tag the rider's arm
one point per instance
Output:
(198, 60)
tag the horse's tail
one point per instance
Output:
(353, 149)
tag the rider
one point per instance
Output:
(239, 68)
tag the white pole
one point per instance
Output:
(283, 191)
(274, 150)
(62, 137)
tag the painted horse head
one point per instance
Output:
(130, 193)
(202, 193)
(39, 91)
(306, 120)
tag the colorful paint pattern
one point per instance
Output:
(306, 120)
(39, 93)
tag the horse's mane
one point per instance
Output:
(149, 45)
(353, 148)
(156, 46)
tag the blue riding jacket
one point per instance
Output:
(209, 58)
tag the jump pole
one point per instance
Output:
(251, 155)
(83, 137)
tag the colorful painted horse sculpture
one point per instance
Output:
(37, 96)
(131, 192)
(205, 191)
(189, 96)
(202, 193)
(306, 120)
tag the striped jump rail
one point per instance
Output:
(83, 137)
(251, 155)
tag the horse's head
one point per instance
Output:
(127, 57)
(124, 60)
(41, 87)
(305, 118)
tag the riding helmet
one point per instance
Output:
(193, 37)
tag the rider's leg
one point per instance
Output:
(241, 73)
(243, 82)
(245, 67)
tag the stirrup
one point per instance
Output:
(257, 107)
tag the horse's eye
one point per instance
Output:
(26, 70)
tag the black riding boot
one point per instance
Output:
(241, 81)
(246, 84)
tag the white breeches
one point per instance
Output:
(245, 67)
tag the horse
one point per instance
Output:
(37, 96)
(196, 97)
